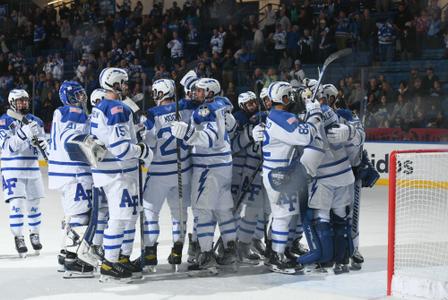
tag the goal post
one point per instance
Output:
(418, 224)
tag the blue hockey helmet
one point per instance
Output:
(72, 93)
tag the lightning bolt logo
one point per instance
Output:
(202, 180)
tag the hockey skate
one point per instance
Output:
(61, 260)
(114, 272)
(76, 268)
(340, 269)
(35, 242)
(21, 246)
(149, 260)
(297, 249)
(356, 261)
(279, 263)
(206, 264)
(257, 246)
(229, 256)
(97, 251)
(246, 255)
(133, 267)
(175, 257)
(193, 250)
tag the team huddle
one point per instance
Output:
(265, 175)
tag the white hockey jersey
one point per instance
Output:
(68, 122)
(283, 132)
(19, 158)
(163, 143)
(112, 123)
(354, 146)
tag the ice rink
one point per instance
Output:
(36, 278)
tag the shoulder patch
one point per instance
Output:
(73, 114)
(115, 111)
(285, 120)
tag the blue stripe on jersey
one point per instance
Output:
(115, 171)
(20, 169)
(124, 152)
(210, 141)
(268, 168)
(278, 242)
(168, 162)
(34, 216)
(228, 231)
(333, 163)
(94, 125)
(119, 143)
(212, 165)
(276, 160)
(205, 224)
(34, 224)
(334, 174)
(253, 157)
(69, 174)
(279, 232)
(210, 154)
(19, 158)
(168, 173)
(213, 130)
(15, 216)
(67, 163)
(227, 222)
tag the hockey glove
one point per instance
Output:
(230, 121)
(258, 133)
(146, 154)
(313, 112)
(29, 131)
(340, 133)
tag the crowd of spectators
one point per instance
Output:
(39, 48)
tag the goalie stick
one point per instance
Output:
(24, 120)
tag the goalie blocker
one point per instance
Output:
(85, 148)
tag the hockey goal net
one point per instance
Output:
(418, 224)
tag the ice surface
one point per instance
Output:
(36, 278)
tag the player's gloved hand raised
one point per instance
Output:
(146, 154)
(29, 131)
(312, 107)
(140, 131)
(179, 129)
(340, 133)
(258, 133)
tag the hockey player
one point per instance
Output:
(22, 180)
(72, 178)
(162, 181)
(103, 213)
(112, 123)
(282, 133)
(212, 171)
(247, 188)
(330, 195)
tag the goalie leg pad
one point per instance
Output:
(343, 243)
(319, 235)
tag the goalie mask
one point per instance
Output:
(72, 93)
(19, 101)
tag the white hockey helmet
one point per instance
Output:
(114, 79)
(163, 89)
(280, 89)
(328, 90)
(245, 97)
(15, 95)
(188, 82)
(211, 87)
(97, 96)
(264, 93)
(309, 83)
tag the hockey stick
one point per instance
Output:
(84, 247)
(24, 120)
(135, 110)
(334, 56)
(179, 178)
